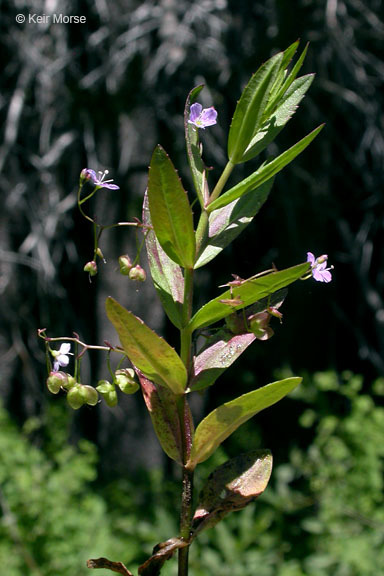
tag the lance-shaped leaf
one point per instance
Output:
(222, 349)
(248, 292)
(285, 79)
(146, 350)
(227, 223)
(250, 108)
(264, 173)
(162, 408)
(167, 276)
(283, 113)
(196, 163)
(231, 487)
(220, 423)
(161, 553)
(171, 213)
(221, 352)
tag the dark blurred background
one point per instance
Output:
(101, 95)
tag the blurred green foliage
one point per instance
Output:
(322, 514)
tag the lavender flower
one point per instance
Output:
(61, 356)
(202, 118)
(97, 180)
(319, 270)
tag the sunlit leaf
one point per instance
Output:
(224, 347)
(250, 108)
(228, 222)
(231, 487)
(167, 276)
(223, 421)
(283, 113)
(264, 173)
(247, 293)
(171, 213)
(146, 350)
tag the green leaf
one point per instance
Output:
(250, 291)
(167, 276)
(286, 108)
(250, 108)
(162, 408)
(221, 352)
(231, 487)
(171, 213)
(228, 222)
(264, 173)
(146, 350)
(287, 80)
(220, 423)
(224, 347)
(196, 163)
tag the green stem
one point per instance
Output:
(221, 182)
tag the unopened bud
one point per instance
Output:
(138, 274)
(91, 268)
(85, 175)
(125, 264)
(75, 397)
(56, 380)
(100, 254)
(125, 380)
(275, 312)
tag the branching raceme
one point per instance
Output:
(240, 314)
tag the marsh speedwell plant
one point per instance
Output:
(213, 337)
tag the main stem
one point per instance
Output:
(183, 409)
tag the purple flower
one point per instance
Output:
(97, 180)
(202, 118)
(61, 356)
(319, 270)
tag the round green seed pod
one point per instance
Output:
(125, 380)
(90, 395)
(55, 381)
(75, 397)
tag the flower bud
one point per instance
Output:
(91, 268)
(125, 264)
(100, 254)
(75, 397)
(56, 380)
(138, 274)
(85, 175)
(125, 380)
(90, 395)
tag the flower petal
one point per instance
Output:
(65, 348)
(311, 258)
(110, 186)
(194, 112)
(208, 116)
